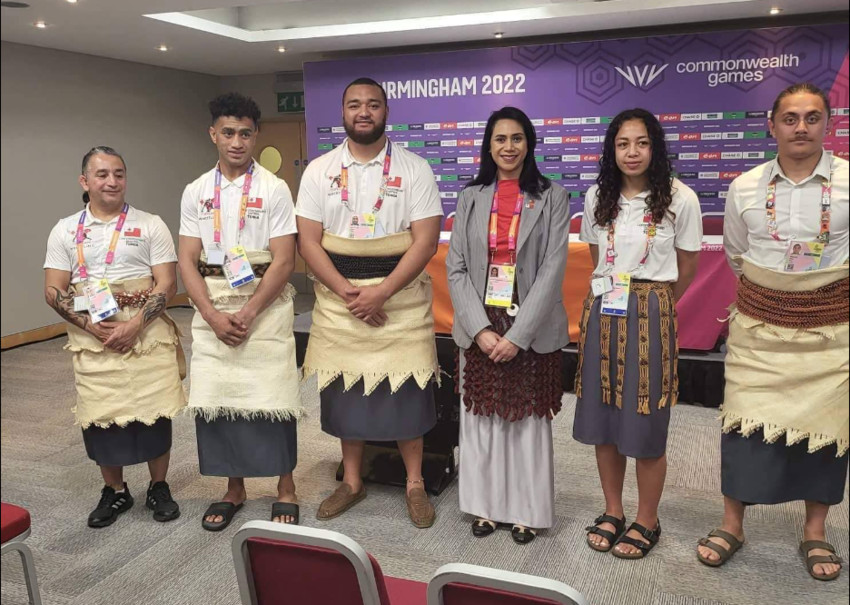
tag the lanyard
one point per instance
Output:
(651, 232)
(494, 222)
(343, 180)
(243, 207)
(110, 254)
(825, 204)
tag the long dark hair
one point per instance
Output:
(94, 151)
(530, 179)
(610, 179)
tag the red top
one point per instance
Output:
(508, 191)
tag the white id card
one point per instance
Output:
(101, 303)
(601, 285)
(237, 268)
(215, 253)
(803, 256)
(81, 304)
(616, 302)
(500, 286)
(362, 226)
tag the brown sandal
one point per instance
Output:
(811, 561)
(724, 553)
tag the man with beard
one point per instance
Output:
(369, 220)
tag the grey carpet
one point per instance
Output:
(45, 469)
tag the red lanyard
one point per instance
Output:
(651, 232)
(110, 253)
(243, 207)
(494, 222)
(825, 214)
(343, 180)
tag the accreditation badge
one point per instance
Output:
(500, 286)
(215, 253)
(101, 303)
(616, 301)
(803, 256)
(237, 268)
(362, 226)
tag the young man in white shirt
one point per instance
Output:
(236, 253)
(369, 217)
(125, 349)
(785, 415)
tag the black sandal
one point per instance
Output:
(223, 509)
(650, 534)
(483, 527)
(619, 526)
(522, 534)
(286, 509)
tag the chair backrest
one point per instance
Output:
(575, 222)
(461, 584)
(279, 564)
(712, 223)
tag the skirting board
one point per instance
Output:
(58, 329)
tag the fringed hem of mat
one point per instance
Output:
(230, 297)
(371, 380)
(212, 413)
(125, 420)
(772, 432)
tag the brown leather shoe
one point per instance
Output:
(419, 508)
(340, 501)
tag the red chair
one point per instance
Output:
(712, 223)
(14, 529)
(461, 584)
(279, 564)
(575, 222)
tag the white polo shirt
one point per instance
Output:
(145, 241)
(683, 232)
(412, 193)
(797, 214)
(270, 210)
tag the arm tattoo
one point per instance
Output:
(153, 308)
(63, 304)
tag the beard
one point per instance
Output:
(365, 138)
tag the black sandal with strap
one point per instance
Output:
(222, 509)
(286, 509)
(483, 527)
(619, 526)
(651, 535)
(812, 560)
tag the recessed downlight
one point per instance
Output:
(775, 10)
(162, 48)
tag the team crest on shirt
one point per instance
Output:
(207, 205)
(255, 208)
(393, 187)
(132, 236)
(86, 238)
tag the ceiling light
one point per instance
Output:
(281, 49)
(499, 35)
(775, 10)
(162, 47)
(72, 1)
(40, 24)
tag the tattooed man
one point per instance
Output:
(109, 272)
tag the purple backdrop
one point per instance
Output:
(711, 91)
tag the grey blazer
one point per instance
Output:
(541, 323)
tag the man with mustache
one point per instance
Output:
(785, 415)
(367, 242)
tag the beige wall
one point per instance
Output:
(55, 106)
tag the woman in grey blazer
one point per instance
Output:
(505, 268)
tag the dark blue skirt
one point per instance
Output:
(133, 444)
(755, 472)
(246, 448)
(382, 415)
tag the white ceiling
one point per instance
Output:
(240, 37)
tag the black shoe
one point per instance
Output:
(159, 500)
(482, 527)
(111, 505)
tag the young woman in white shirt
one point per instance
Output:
(644, 230)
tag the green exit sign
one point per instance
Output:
(290, 102)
